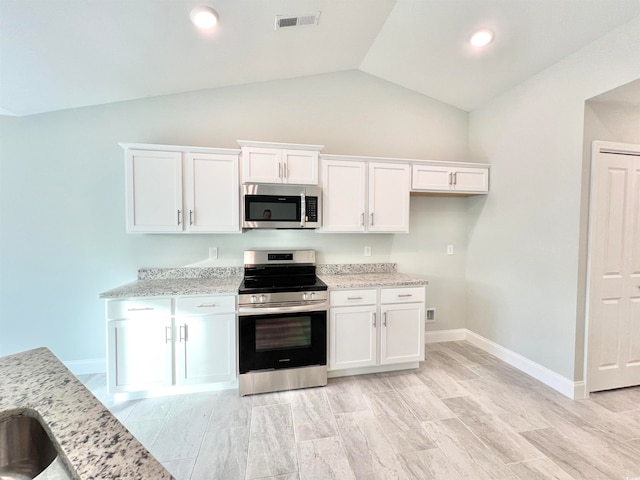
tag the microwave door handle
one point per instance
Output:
(303, 210)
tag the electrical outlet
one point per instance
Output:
(449, 249)
(430, 314)
(213, 253)
(367, 251)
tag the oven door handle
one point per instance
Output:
(257, 310)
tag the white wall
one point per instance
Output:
(525, 260)
(62, 195)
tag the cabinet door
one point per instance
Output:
(261, 165)
(471, 179)
(353, 337)
(300, 167)
(429, 177)
(139, 354)
(388, 197)
(154, 191)
(343, 196)
(205, 349)
(402, 333)
(212, 193)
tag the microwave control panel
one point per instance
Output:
(311, 206)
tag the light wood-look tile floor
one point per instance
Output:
(462, 415)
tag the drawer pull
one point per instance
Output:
(354, 298)
(139, 309)
(206, 305)
(405, 295)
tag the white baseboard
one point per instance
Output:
(86, 367)
(568, 388)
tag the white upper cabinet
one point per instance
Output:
(181, 189)
(212, 193)
(450, 178)
(388, 197)
(344, 198)
(154, 191)
(359, 196)
(264, 162)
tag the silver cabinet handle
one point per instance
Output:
(362, 219)
(450, 178)
(455, 178)
(183, 328)
(190, 217)
(167, 334)
(405, 295)
(206, 305)
(374, 320)
(354, 298)
(139, 309)
(371, 222)
(279, 170)
(284, 168)
(178, 217)
(384, 322)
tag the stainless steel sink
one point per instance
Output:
(25, 448)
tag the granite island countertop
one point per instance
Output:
(89, 439)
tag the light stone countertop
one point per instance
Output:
(158, 287)
(158, 282)
(371, 280)
(87, 436)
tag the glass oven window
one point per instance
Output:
(265, 208)
(283, 333)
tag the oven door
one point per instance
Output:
(282, 340)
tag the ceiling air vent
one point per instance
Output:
(299, 21)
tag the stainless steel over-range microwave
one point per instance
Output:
(281, 206)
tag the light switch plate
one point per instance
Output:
(449, 249)
(213, 253)
(367, 251)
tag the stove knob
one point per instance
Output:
(304, 296)
(253, 299)
(313, 296)
(262, 298)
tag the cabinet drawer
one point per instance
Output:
(205, 305)
(402, 295)
(353, 297)
(141, 308)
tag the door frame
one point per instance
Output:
(597, 147)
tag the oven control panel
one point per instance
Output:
(290, 298)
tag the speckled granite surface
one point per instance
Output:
(176, 286)
(155, 282)
(362, 280)
(189, 272)
(353, 268)
(89, 438)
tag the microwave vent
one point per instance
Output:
(297, 21)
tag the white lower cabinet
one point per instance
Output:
(205, 342)
(163, 342)
(374, 327)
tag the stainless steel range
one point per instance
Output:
(282, 322)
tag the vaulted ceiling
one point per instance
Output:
(59, 54)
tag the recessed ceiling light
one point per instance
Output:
(204, 17)
(481, 38)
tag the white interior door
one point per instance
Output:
(614, 268)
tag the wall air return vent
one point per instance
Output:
(299, 21)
